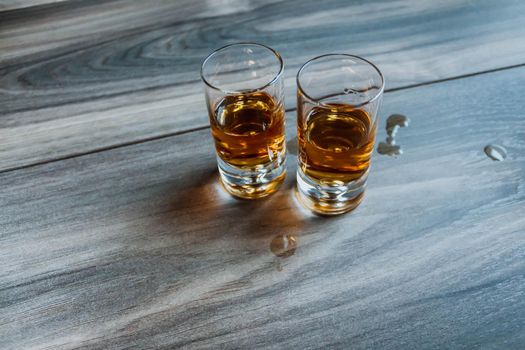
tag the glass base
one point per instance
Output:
(330, 200)
(253, 182)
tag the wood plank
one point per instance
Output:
(9, 5)
(61, 27)
(139, 246)
(92, 77)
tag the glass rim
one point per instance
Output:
(318, 101)
(247, 43)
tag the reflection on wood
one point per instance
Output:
(139, 246)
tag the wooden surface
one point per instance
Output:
(78, 77)
(114, 233)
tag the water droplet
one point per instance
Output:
(393, 123)
(283, 246)
(389, 149)
(495, 152)
(397, 120)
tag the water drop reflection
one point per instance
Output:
(495, 152)
(283, 246)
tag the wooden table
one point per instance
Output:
(115, 235)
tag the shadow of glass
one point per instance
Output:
(200, 211)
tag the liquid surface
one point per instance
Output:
(248, 129)
(393, 123)
(335, 144)
(496, 152)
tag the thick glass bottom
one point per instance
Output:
(253, 182)
(330, 200)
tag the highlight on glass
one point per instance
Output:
(338, 97)
(245, 100)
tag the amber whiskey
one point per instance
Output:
(248, 129)
(335, 144)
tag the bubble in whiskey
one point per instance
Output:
(495, 152)
(283, 246)
(393, 123)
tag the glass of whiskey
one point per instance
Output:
(338, 97)
(245, 100)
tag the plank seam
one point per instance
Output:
(182, 132)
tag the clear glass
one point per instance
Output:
(338, 97)
(245, 99)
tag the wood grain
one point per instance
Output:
(77, 77)
(7, 5)
(138, 247)
(59, 27)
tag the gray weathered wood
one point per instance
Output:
(30, 32)
(7, 5)
(82, 76)
(138, 247)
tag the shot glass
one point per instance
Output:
(245, 100)
(338, 97)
